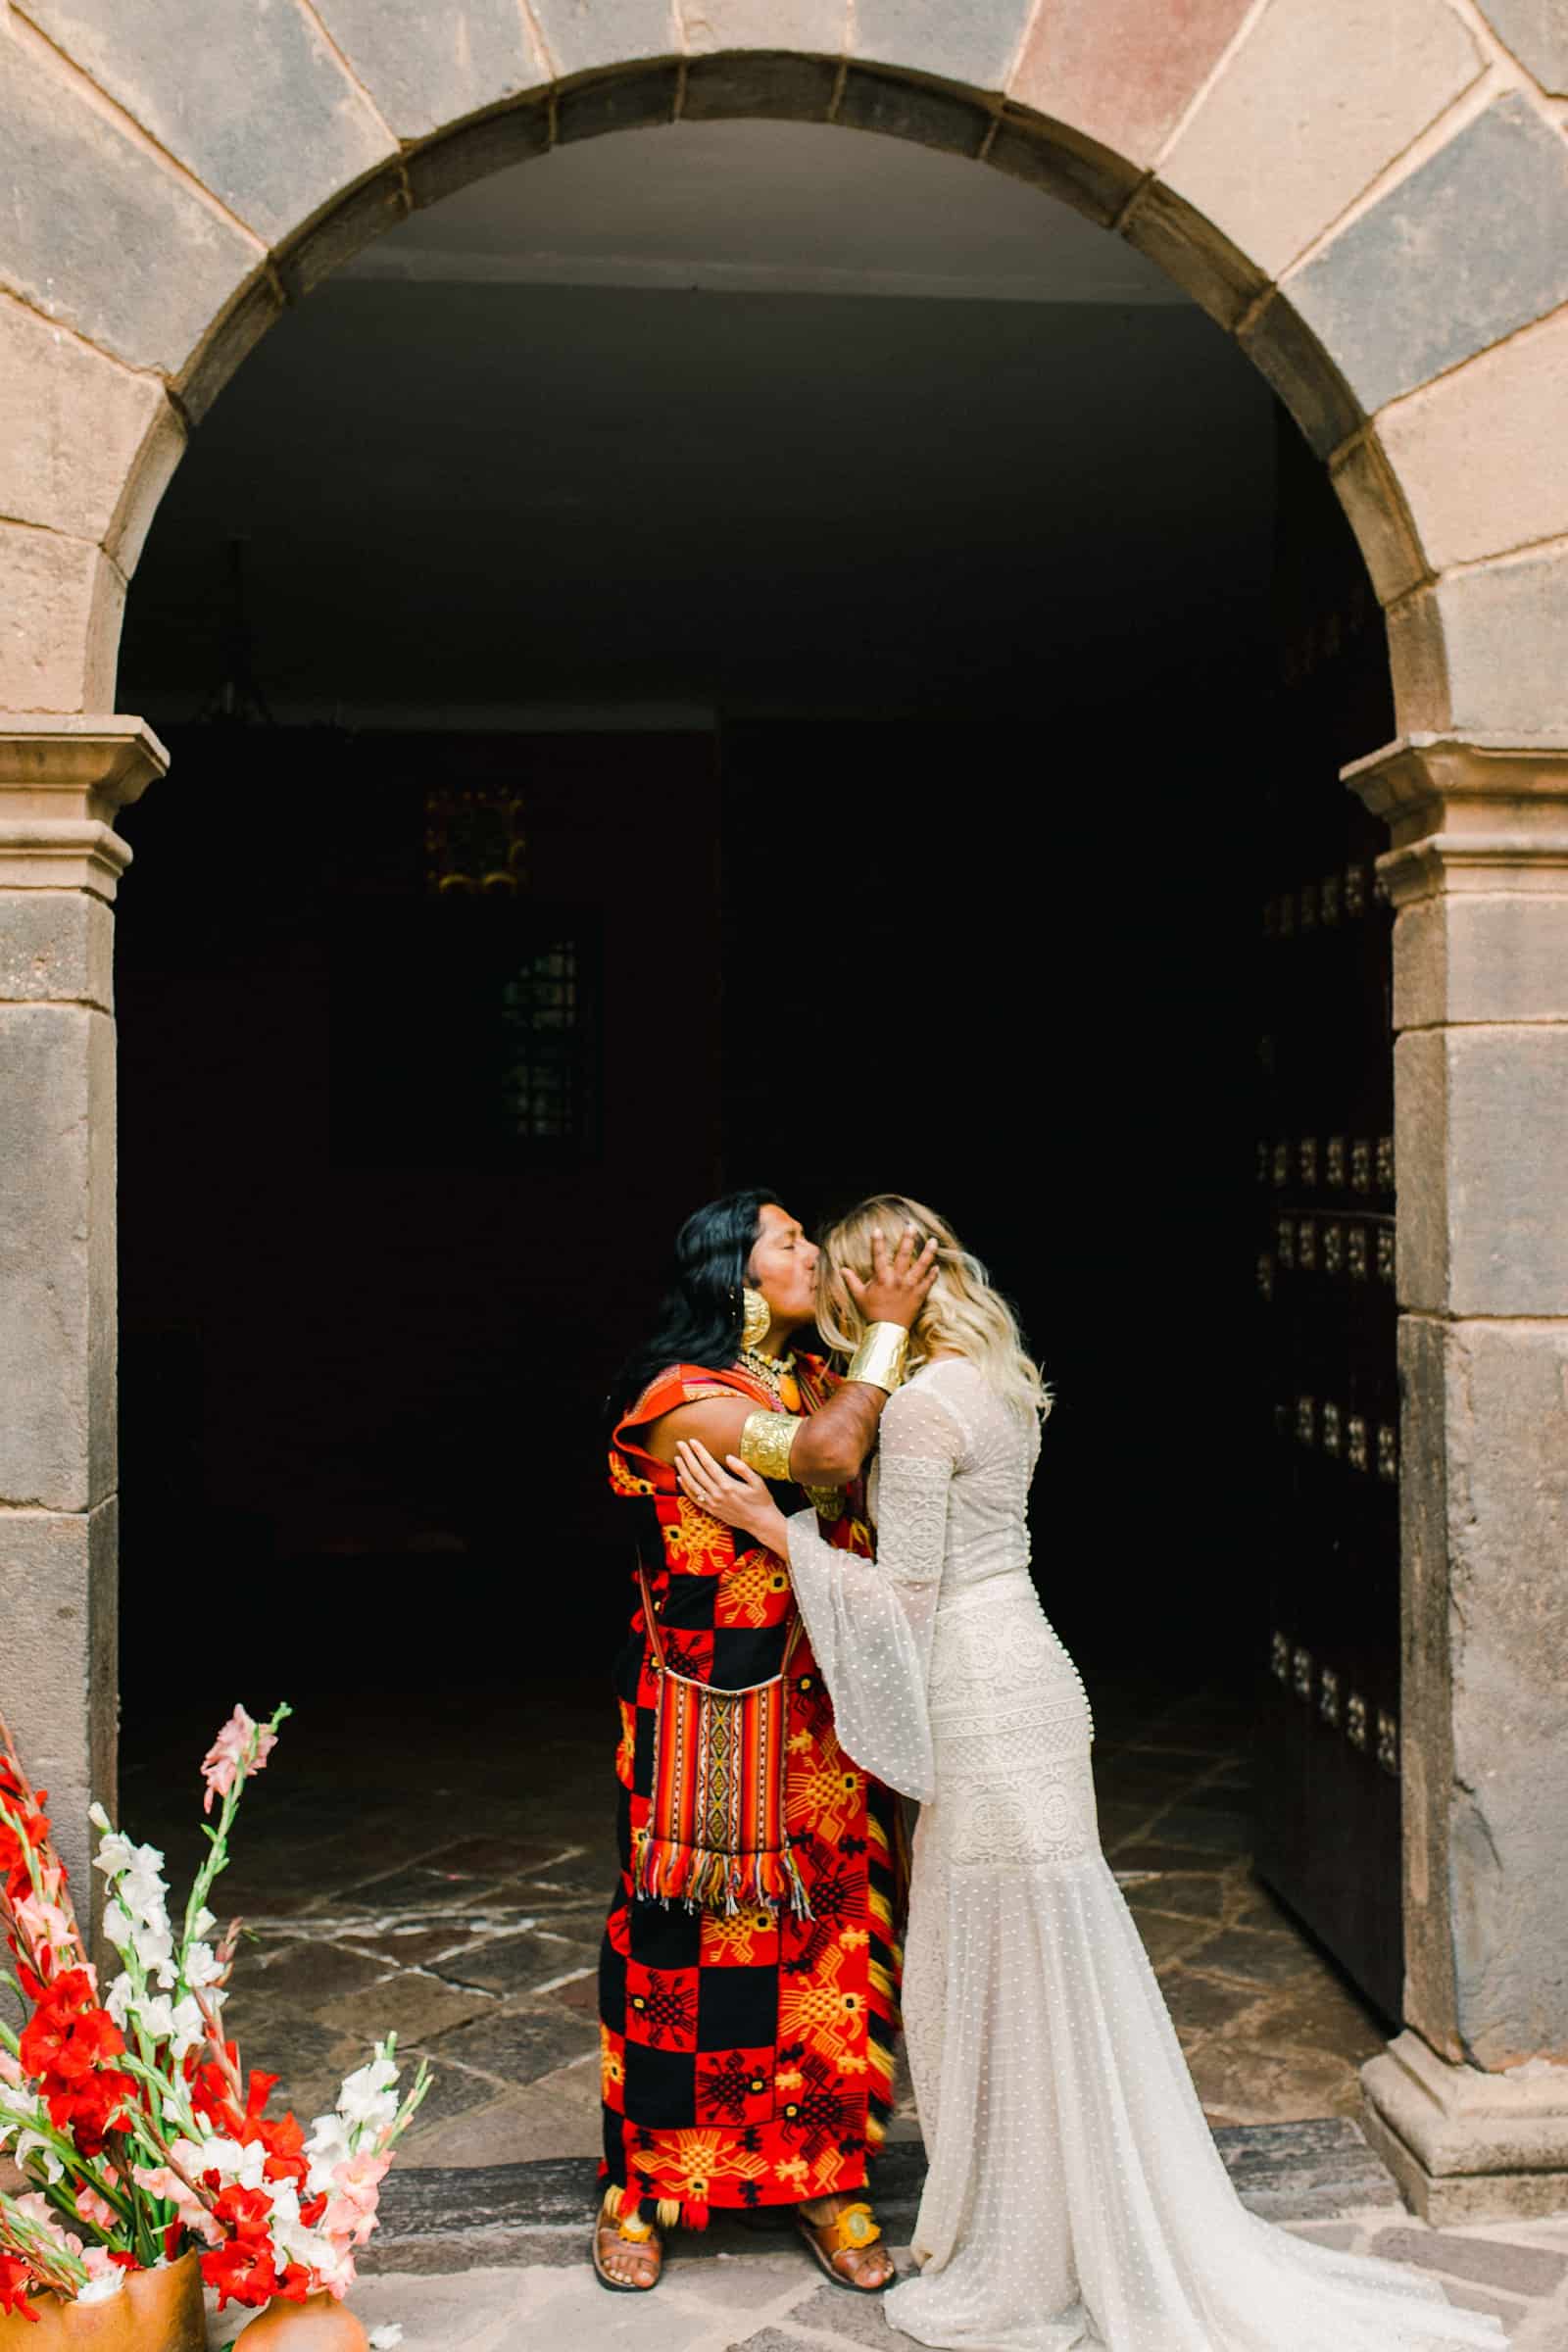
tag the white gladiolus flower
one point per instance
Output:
(187, 2026)
(204, 1923)
(142, 1887)
(33, 2144)
(386, 2339)
(118, 1926)
(115, 1851)
(117, 1999)
(99, 2289)
(327, 2147)
(97, 1816)
(156, 1946)
(369, 2095)
(224, 2156)
(202, 1967)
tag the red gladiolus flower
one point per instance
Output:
(67, 2047)
(284, 2139)
(15, 2280)
(211, 2094)
(244, 2268)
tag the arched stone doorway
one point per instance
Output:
(1370, 262)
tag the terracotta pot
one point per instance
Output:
(317, 2324)
(155, 2311)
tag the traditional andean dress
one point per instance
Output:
(746, 2060)
(1075, 2201)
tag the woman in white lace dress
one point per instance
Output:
(1075, 2201)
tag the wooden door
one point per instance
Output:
(1328, 1819)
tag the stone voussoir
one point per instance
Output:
(1123, 71)
(968, 41)
(1371, 493)
(1482, 454)
(1201, 257)
(800, 26)
(761, 84)
(1346, 88)
(252, 101)
(1537, 31)
(1292, 357)
(901, 106)
(75, 424)
(1062, 163)
(1471, 245)
(429, 67)
(586, 36)
(147, 291)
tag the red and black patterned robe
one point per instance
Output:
(745, 2061)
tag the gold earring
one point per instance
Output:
(757, 1317)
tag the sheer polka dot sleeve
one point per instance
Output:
(871, 1621)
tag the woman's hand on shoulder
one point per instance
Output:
(899, 1281)
(734, 1494)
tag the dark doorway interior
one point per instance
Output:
(868, 787)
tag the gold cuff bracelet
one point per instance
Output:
(879, 1359)
(765, 1443)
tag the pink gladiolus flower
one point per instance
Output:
(356, 2192)
(159, 2182)
(95, 2210)
(334, 2270)
(45, 1928)
(226, 1760)
(36, 2207)
(10, 2070)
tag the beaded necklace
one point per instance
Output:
(771, 1370)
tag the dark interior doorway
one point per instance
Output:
(873, 695)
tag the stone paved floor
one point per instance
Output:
(443, 1869)
(446, 1875)
(775, 2301)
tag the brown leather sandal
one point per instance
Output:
(640, 2245)
(849, 2231)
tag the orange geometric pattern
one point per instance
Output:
(747, 2057)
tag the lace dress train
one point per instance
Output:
(1075, 2201)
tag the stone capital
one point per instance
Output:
(61, 781)
(1481, 815)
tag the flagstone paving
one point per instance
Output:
(728, 2296)
(446, 1877)
(444, 1871)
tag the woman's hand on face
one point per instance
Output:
(898, 1283)
(735, 1495)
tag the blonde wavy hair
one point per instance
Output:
(962, 1312)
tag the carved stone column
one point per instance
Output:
(61, 781)
(1470, 2104)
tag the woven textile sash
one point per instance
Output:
(715, 1836)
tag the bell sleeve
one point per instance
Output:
(871, 1621)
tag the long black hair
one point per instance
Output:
(698, 1320)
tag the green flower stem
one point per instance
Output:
(71, 2157)
(56, 2266)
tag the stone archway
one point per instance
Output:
(1375, 203)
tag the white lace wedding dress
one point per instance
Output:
(1075, 2198)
